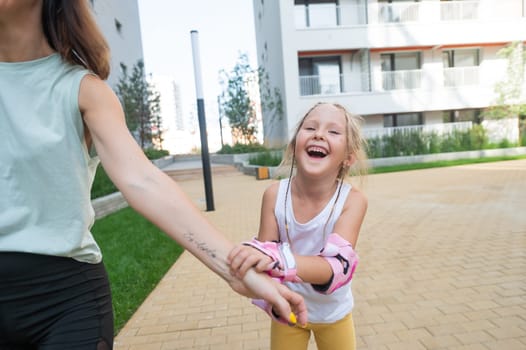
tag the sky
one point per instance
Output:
(225, 27)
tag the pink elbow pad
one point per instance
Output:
(343, 260)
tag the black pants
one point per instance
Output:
(53, 303)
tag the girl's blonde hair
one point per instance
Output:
(356, 144)
(72, 31)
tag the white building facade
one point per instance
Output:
(120, 23)
(395, 63)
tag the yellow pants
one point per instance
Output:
(329, 336)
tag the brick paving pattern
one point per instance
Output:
(443, 266)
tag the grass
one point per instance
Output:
(438, 164)
(137, 255)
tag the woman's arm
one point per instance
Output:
(159, 198)
(243, 258)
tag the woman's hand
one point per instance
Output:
(284, 301)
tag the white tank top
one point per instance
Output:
(308, 239)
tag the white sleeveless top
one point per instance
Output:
(308, 239)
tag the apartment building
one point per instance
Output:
(120, 23)
(396, 63)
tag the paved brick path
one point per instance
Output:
(443, 266)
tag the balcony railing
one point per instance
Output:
(331, 15)
(439, 129)
(459, 10)
(460, 76)
(398, 12)
(402, 79)
(327, 84)
(333, 84)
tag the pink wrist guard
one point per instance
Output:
(283, 264)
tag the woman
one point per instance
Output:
(58, 118)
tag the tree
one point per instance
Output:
(141, 104)
(511, 99)
(157, 122)
(236, 103)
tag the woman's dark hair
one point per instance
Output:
(71, 30)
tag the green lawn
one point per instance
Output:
(137, 255)
(442, 163)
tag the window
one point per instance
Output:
(316, 13)
(118, 26)
(460, 58)
(461, 67)
(463, 115)
(403, 119)
(320, 75)
(400, 61)
(401, 70)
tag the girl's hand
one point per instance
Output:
(242, 258)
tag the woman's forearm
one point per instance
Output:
(163, 202)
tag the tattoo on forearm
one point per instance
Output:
(200, 245)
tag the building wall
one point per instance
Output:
(120, 23)
(270, 57)
(362, 36)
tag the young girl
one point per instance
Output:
(309, 228)
(56, 112)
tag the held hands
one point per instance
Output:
(276, 299)
(275, 258)
(247, 259)
(242, 258)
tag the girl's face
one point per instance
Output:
(321, 142)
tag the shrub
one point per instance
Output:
(522, 131)
(433, 142)
(153, 153)
(402, 143)
(266, 159)
(242, 148)
(478, 137)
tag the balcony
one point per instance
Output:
(461, 76)
(438, 129)
(329, 15)
(402, 79)
(459, 10)
(317, 16)
(333, 84)
(389, 80)
(399, 12)
(403, 12)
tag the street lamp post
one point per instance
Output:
(205, 156)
